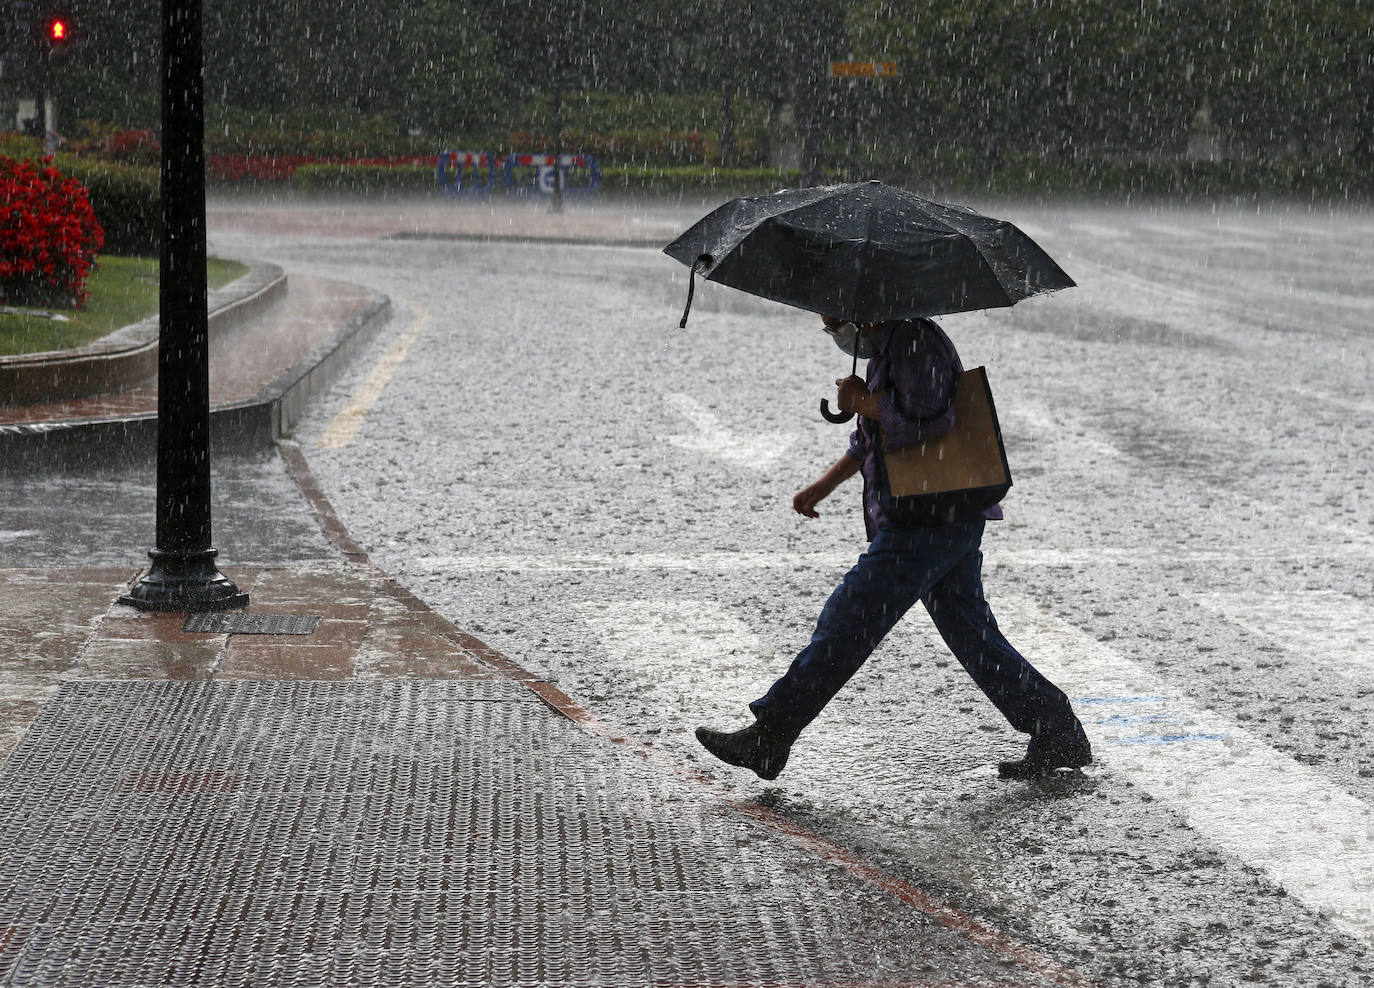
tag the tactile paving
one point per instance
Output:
(398, 833)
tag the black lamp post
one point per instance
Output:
(183, 575)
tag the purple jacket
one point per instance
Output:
(915, 369)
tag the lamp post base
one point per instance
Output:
(184, 581)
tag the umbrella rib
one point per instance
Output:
(867, 245)
(1002, 230)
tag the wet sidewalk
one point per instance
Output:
(339, 787)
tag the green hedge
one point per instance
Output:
(326, 132)
(1036, 175)
(1042, 176)
(126, 197)
(364, 179)
(645, 180)
(126, 201)
(688, 179)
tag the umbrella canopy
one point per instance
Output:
(866, 252)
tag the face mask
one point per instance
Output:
(848, 338)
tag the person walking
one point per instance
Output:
(905, 398)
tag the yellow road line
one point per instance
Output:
(344, 425)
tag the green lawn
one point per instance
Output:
(123, 291)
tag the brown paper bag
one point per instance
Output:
(963, 470)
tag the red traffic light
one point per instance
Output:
(57, 30)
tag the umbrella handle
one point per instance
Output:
(836, 417)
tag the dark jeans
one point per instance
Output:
(942, 567)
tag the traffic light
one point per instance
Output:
(58, 31)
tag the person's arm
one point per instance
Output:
(806, 500)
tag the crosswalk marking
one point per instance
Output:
(723, 653)
(715, 650)
(714, 438)
(1330, 630)
(634, 628)
(1357, 403)
(833, 563)
(1306, 833)
(1310, 836)
(837, 562)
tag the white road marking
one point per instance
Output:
(834, 562)
(344, 426)
(838, 562)
(713, 652)
(1310, 836)
(715, 439)
(1174, 234)
(694, 624)
(694, 645)
(1037, 418)
(1097, 231)
(1345, 401)
(1331, 630)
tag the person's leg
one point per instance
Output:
(1030, 702)
(886, 581)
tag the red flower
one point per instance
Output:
(49, 236)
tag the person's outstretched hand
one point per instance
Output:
(806, 500)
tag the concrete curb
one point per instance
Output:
(248, 426)
(259, 423)
(127, 358)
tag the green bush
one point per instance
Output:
(337, 135)
(663, 148)
(955, 172)
(640, 180)
(689, 179)
(126, 201)
(647, 128)
(20, 146)
(364, 179)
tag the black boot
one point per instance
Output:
(762, 751)
(1048, 752)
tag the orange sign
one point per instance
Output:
(863, 70)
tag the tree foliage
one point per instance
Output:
(985, 76)
(1097, 75)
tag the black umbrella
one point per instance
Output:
(865, 252)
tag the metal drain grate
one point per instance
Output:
(403, 833)
(238, 623)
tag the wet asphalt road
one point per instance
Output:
(1188, 548)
